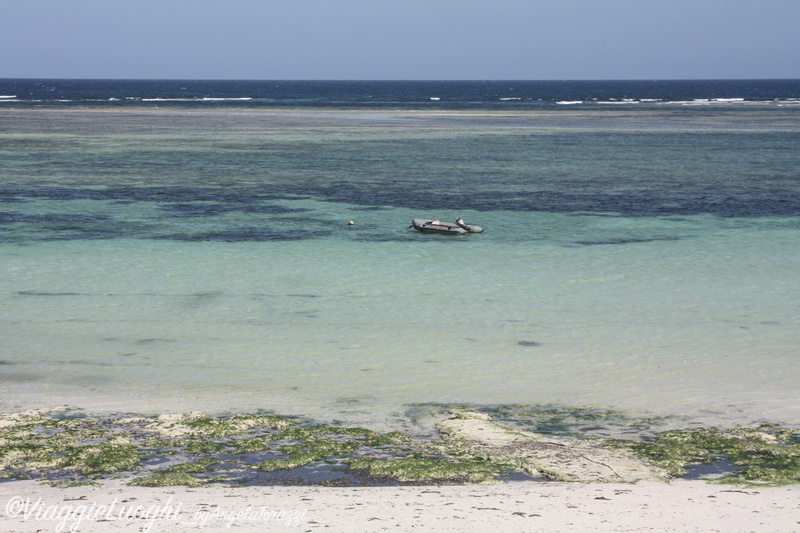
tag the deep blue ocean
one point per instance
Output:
(394, 94)
(178, 245)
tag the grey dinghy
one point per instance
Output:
(447, 228)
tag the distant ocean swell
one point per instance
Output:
(380, 94)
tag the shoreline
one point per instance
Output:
(67, 447)
(519, 506)
(781, 409)
(389, 414)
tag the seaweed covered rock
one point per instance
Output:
(558, 459)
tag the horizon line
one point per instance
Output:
(431, 80)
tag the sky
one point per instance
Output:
(400, 39)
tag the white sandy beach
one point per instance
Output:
(522, 506)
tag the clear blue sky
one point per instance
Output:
(400, 39)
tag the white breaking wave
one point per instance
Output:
(209, 99)
(618, 102)
(8, 96)
(435, 98)
(204, 99)
(165, 99)
(504, 99)
(709, 101)
(569, 102)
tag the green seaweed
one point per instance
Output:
(13, 475)
(295, 460)
(179, 475)
(366, 436)
(430, 469)
(205, 447)
(388, 439)
(11, 454)
(235, 425)
(109, 457)
(161, 444)
(254, 444)
(323, 447)
(299, 433)
(168, 479)
(308, 452)
(767, 455)
(73, 483)
(345, 431)
(53, 445)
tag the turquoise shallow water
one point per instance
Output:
(202, 260)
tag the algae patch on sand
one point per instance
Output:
(435, 469)
(67, 447)
(764, 456)
(168, 479)
(178, 449)
(307, 452)
(117, 454)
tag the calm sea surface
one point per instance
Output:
(167, 246)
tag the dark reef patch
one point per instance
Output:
(154, 341)
(43, 293)
(528, 343)
(415, 193)
(199, 209)
(625, 241)
(247, 234)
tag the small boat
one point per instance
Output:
(446, 228)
